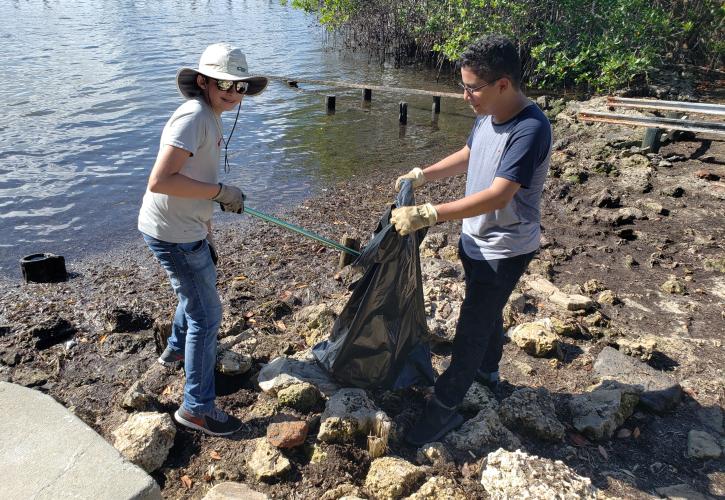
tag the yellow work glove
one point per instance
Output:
(416, 175)
(410, 219)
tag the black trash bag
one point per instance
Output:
(378, 339)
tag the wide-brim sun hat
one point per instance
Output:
(220, 61)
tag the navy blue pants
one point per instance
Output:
(478, 343)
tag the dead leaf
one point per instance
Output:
(623, 433)
(280, 326)
(603, 452)
(102, 339)
(248, 314)
(241, 277)
(215, 455)
(186, 481)
(578, 440)
(635, 432)
(252, 321)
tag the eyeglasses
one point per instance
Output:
(224, 85)
(471, 90)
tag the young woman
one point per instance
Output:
(175, 220)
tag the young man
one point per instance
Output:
(506, 159)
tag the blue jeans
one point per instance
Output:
(478, 343)
(198, 316)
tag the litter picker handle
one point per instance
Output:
(300, 230)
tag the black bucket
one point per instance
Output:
(43, 268)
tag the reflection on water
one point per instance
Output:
(87, 86)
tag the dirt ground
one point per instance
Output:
(266, 274)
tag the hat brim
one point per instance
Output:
(186, 82)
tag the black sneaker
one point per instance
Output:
(215, 423)
(484, 378)
(437, 421)
(170, 357)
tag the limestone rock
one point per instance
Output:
(345, 490)
(137, 398)
(302, 397)
(597, 414)
(392, 478)
(229, 362)
(702, 445)
(434, 453)
(520, 475)
(681, 492)
(233, 491)
(532, 411)
(642, 348)
(660, 391)
(267, 462)
(433, 242)
(442, 300)
(349, 413)
(571, 302)
(477, 398)
(283, 372)
(315, 322)
(608, 297)
(449, 253)
(673, 285)
(635, 174)
(567, 327)
(433, 269)
(437, 488)
(537, 339)
(482, 433)
(145, 439)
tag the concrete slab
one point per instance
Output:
(46, 452)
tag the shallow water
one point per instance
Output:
(87, 86)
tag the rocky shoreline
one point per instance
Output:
(614, 368)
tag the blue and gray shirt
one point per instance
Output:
(517, 150)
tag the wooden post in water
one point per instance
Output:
(367, 95)
(346, 258)
(403, 112)
(436, 104)
(330, 104)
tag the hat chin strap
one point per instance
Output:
(226, 142)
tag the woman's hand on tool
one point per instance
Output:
(230, 198)
(416, 175)
(409, 219)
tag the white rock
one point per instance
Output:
(233, 491)
(519, 475)
(481, 434)
(233, 363)
(702, 445)
(537, 339)
(349, 413)
(392, 478)
(438, 488)
(145, 439)
(267, 462)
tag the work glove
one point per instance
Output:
(416, 175)
(410, 219)
(230, 198)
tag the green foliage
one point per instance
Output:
(593, 44)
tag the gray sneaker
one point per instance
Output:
(215, 423)
(170, 357)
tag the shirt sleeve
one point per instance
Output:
(527, 147)
(186, 131)
(476, 124)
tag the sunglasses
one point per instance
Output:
(224, 85)
(471, 90)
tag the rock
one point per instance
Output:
(392, 478)
(520, 475)
(605, 199)
(715, 264)
(482, 433)
(680, 492)
(477, 398)
(702, 445)
(434, 453)
(630, 262)
(673, 286)
(349, 413)
(661, 392)
(51, 332)
(593, 286)
(598, 414)
(537, 339)
(345, 490)
(32, 377)
(433, 242)
(267, 462)
(145, 439)
(572, 302)
(302, 397)
(230, 363)
(315, 322)
(712, 418)
(652, 207)
(567, 327)
(532, 412)
(434, 269)
(642, 348)
(233, 491)
(635, 174)
(318, 454)
(283, 372)
(608, 297)
(437, 488)
(287, 434)
(449, 253)
(138, 399)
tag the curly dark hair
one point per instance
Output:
(493, 57)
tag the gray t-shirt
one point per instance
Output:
(194, 128)
(517, 150)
